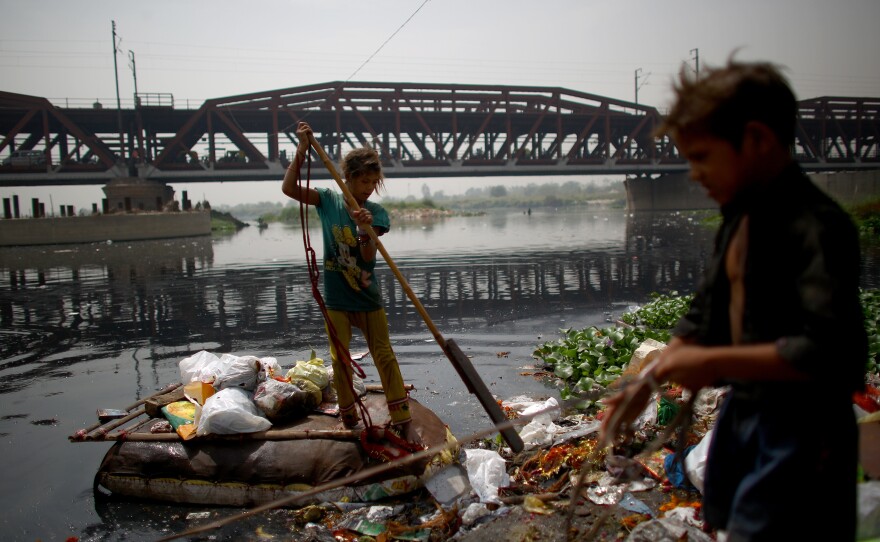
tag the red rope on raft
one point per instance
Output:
(314, 275)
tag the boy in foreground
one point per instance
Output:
(777, 317)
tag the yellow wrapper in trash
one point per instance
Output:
(179, 413)
(535, 505)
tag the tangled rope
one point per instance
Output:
(342, 351)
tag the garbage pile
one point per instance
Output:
(231, 394)
(490, 492)
(485, 490)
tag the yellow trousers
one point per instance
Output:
(374, 326)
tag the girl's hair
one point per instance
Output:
(362, 161)
(721, 101)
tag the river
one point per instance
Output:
(102, 325)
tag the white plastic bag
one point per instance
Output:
(237, 372)
(541, 429)
(192, 367)
(231, 411)
(695, 461)
(486, 473)
(329, 393)
(268, 368)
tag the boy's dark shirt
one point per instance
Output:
(801, 284)
(778, 447)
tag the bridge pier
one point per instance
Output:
(676, 192)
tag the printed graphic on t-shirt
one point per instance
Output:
(345, 244)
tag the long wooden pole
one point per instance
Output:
(270, 434)
(353, 204)
(459, 360)
(366, 474)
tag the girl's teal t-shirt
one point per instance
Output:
(349, 284)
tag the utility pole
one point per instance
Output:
(696, 57)
(134, 74)
(118, 101)
(637, 85)
(138, 151)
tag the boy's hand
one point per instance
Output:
(687, 365)
(623, 408)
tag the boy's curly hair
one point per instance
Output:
(723, 100)
(361, 161)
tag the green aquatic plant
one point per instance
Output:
(871, 310)
(586, 361)
(663, 312)
(590, 359)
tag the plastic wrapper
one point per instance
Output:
(330, 394)
(486, 472)
(695, 462)
(231, 411)
(312, 370)
(198, 367)
(315, 394)
(281, 401)
(237, 372)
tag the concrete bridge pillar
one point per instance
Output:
(676, 192)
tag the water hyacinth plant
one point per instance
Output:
(661, 313)
(871, 309)
(588, 360)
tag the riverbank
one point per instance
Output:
(113, 227)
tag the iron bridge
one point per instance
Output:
(420, 130)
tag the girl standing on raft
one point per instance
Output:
(351, 295)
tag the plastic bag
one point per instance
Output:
(269, 368)
(315, 395)
(192, 368)
(313, 370)
(695, 461)
(541, 429)
(237, 372)
(281, 400)
(329, 393)
(486, 472)
(231, 411)
(868, 510)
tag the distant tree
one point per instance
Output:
(498, 191)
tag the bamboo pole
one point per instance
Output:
(365, 474)
(167, 389)
(271, 434)
(353, 204)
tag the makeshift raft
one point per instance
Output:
(257, 468)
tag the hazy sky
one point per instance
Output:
(62, 49)
(195, 50)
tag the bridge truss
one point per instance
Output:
(420, 130)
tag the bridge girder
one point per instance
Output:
(419, 130)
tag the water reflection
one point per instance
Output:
(171, 292)
(99, 325)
